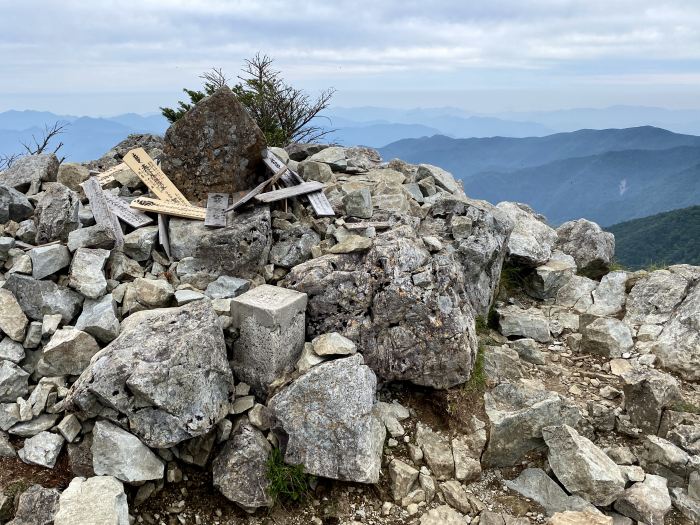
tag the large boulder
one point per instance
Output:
(325, 420)
(647, 501)
(535, 484)
(648, 393)
(56, 214)
(37, 506)
(405, 330)
(517, 415)
(678, 345)
(27, 173)
(95, 500)
(530, 244)
(607, 337)
(592, 248)
(68, 352)
(240, 249)
(582, 467)
(39, 298)
(654, 298)
(166, 372)
(216, 147)
(240, 469)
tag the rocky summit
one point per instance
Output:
(373, 348)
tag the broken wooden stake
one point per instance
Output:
(122, 210)
(217, 204)
(100, 209)
(292, 191)
(169, 208)
(163, 237)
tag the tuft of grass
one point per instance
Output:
(288, 483)
(512, 277)
(686, 406)
(477, 381)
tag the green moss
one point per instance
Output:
(288, 483)
(477, 381)
(686, 406)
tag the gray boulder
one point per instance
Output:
(47, 260)
(68, 352)
(99, 318)
(56, 214)
(39, 298)
(609, 297)
(293, 245)
(661, 457)
(405, 331)
(607, 337)
(116, 452)
(546, 280)
(517, 415)
(582, 467)
(14, 206)
(13, 322)
(139, 243)
(27, 173)
(36, 506)
(443, 179)
(678, 345)
(531, 241)
(647, 394)
(530, 324)
(11, 350)
(437, 452)
(653, 299)
(95, 500)
(343, 397)
(13, 382)
(647, 502)
(215, 147)
(95, 236)
(240, 470)
(166, 372)
(226, 287)
(42, 449)
(535, 484)
(72, 175)
(240, 249)
(592, 248)
(86, 272)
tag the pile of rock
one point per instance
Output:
(283, 329)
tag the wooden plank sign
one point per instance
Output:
(292, 191)
(107, 176)
(153, 177)
(248, 197)
(100, 209)
(169, 208)
(131, 216)
(317, 199)
(217, 203)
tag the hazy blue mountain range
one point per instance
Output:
(607, 176)
(667, 238)
(85, 138)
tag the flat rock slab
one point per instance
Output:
(95, 500)
(39, 298)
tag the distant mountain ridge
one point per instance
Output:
(663, 239)
(607, 176)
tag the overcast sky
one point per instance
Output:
(106, 57)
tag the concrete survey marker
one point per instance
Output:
(272, 328)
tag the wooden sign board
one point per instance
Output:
(100, 209)
(131, 216)
(153, 177)
(169, 208)
(107, 176)
(317, 199)
(365, 225)
(292, 191)
(217, 203)
(248, 197)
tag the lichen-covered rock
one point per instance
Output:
(166, 372)
(517, 415)
(13, 382)
(653, 298)
(240, 249)
(86, 272)
(530, 244)
(215, 147)
(647, 394)
(325, 421)
(405, 331)
(56, 214)
(591, 247)
(37, 506)
(647, 501)
(13, 322)
(582, 467)
(95, 500)
(27, 173)
(240, 470)
(67, 353)
(607, 337)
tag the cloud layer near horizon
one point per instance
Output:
(152, 45)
